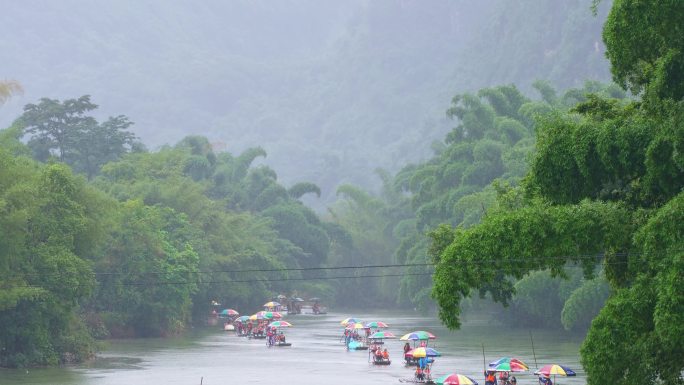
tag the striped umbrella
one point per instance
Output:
(229, 312)
(423, 352)
(556, 369)
(417, 335)
(508, 364)
(455, 379)
(357, 325)
(271, 304)
(377, 325)
(268, 315)
(382, 335)
(280, 324)
(349, 320)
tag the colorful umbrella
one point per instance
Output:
(271, 304)
(280, 324)
(417, 335)
(455, 379)
(382, 335)
(555, 369)
(423, 352)
(376, 325)
(229, 312)
(268, 315)
(349, 320)
(357, 325)
(508, 364)
(244, 318)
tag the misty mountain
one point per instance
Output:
(331, 90)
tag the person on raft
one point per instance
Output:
(545, 379)
(378, 355)
(420, 376)
(407, 348)
(270, 334)
(490, 377)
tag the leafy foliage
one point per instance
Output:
(645, 46)
(606, 151)
(48, 227)
(537, 237)
(474, 171)
(77, 139)
(146, 246)
(237, 216)
(610, 152)
(609, 176)
(151, 288)
(648, 312)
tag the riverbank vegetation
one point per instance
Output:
(564, 205)
(136, 246)
(147, 239)
(604, 194)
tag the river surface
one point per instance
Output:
(317, 356)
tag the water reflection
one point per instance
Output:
(317, 356)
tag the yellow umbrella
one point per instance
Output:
(349, 320)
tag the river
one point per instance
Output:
(210, 356)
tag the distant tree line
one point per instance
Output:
(102, 238)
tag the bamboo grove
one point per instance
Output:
(565, 206)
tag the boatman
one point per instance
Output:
(422, 363)
(490, 377)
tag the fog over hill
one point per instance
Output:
(330, 89)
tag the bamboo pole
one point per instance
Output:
(533, 353)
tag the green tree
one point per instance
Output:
(645, 46)
(49, 223)
(78, 139)
(607, 152)
(302, 188)
(238, 217)
(300, 226)
(147, 286)
(643, 319)
(55, 125)
(101, 144)
(477, 168)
